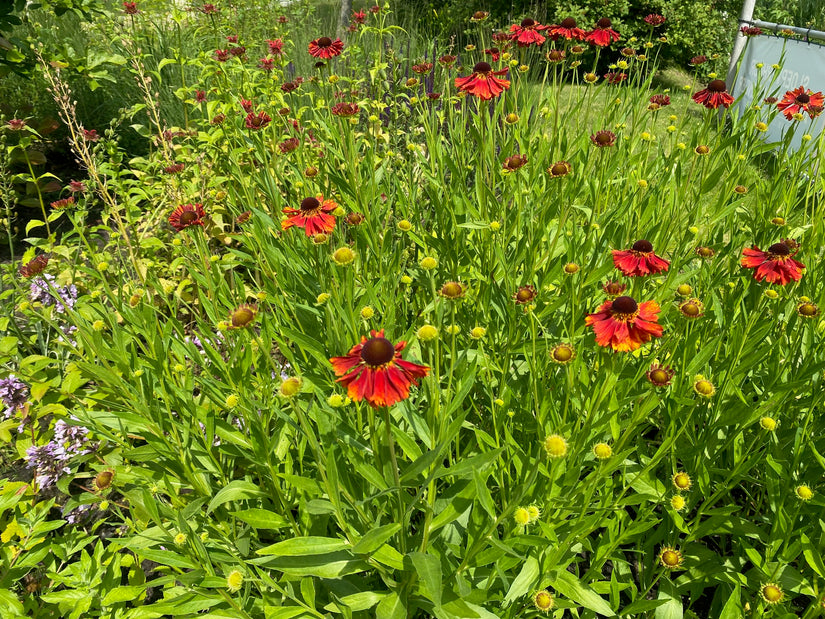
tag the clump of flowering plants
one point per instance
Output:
(451, 333)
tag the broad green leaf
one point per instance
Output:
(525, 582)
(391, 608)
(235, 490)
(428, 569)
(375, 538)
(261, 518)
(571, 587)
(302, 546)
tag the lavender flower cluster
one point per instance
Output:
(43, 290)
(50, 461)
(14, 393)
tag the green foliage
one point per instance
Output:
(181, 444)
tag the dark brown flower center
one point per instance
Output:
(563, 353)
(310, 204)
(568, 22)
(717, 86)
(659, 376)
(525, 294)
(104, 479)
(643, 246)
(188, 217)
(452, 290)
(625, 305)
(604, 22)
(559, 169)
(690, 309)
(808, 309)
(324, 42)
(482, 67)
(604, 137)
(527, 23)
(378, 351)
(555, 55)
(803, 99)
(242, 317)
(495, 50)
(779, 249)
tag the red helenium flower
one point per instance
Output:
(714, 95)
(258, 121)
(602, 35)
(187, 215)
(325, 48)
(483, 83)
(775, 265)
(799, 100)
(527, 33)
(374, 371)
(313, 216)
(639, 260)
(567, 29)
(625, 325)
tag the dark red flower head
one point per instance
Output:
(374, 371)
(483, 83)
(422, 68)
(258, 121)
(276, 46)
(751, 31)
(801, 100)
(714, 95)
(187, 215)
(777, 265)
(624, 325)
(639, 260)
(346, 110)
(603, 139)
(209, 9)
(314, 216)
(130, 8)
(654, 20)
(222, 55)
(326, 48)
(447, 60)
(697, 60)
(35, 266)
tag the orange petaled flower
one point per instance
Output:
(187, 215)
(714, 95)
(801, 100)
(625, 325)
(326, 48)
(775, 265)
(603, 34)
(313, 216)
(374, 371)
(483, 83)
(639, 260)
(527, 33)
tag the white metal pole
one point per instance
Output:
(739, 44)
